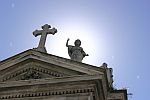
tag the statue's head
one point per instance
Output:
(77, 43)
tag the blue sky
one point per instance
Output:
(113, 31)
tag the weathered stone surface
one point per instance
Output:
(117, 95)
(76, 52)
(46, 30)
(34, 75)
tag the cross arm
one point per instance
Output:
(52, 31)
(37, 32)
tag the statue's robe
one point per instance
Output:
(76, 53)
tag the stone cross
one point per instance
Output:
(46, 30)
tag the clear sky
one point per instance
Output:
(113, 31)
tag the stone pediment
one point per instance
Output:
(33, 64)
(28, 71)
(34, 75)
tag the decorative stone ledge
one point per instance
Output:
(42, 70)
(48, 93)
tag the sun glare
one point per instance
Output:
(73, 30)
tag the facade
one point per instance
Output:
(34, 75)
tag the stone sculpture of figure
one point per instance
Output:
(76, 52)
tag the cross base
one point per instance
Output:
(41, 49)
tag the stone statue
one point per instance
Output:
(46, 30)
(76, 52)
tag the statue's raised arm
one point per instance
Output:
(76, 52)
(67, 42)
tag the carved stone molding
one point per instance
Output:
(48, 93)
(33, 71)
(115, 96)
(31, 74)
